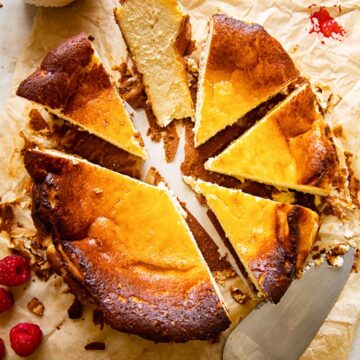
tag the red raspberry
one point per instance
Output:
(14, 270)
(25, 338)
(2, 348)
(6, 300)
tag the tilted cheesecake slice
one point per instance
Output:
(288, 148)
(271, 239)
(241, 67)
(127, 243)
(157, 34)
(73, 84)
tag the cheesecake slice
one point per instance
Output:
(128, 245)
(288, 148)
(271, 239)
(157, 34)
(241, 67)
(73, 84)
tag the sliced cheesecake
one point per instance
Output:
(127, 243)
(271, 239)
(73, 84)
(288, 148)
(241, 67)
(157, 34)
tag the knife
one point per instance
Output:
(285, 330)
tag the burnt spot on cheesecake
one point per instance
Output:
(274, 268)
(57, 79)
(242, 46)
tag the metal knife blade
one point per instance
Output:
(284, 331)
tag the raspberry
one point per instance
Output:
(25, 338)
(6, 300)
(2, 348)
(14, 270)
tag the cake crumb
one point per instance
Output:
(98, 318)
(354, 183)
(130, 86)
(36, 121)
(334, 256)
(95, 345)
(36, 307)
(338, 130)
(295, 48)
(239, 296)
(76, 309)
(356, 264)
(171, 142)
(221, 276)
(57, 282)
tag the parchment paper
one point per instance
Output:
(334, 63)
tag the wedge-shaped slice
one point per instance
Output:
(157, 33)
(288, 148)
(241, 67)
(128, 244)
(73, 84)
(271, 239)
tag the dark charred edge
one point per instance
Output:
(226, 28)
(200, 317)
(45, 209)
(56, 80)
(60, 267)
(76, 309)
(326, 163)
(283, 260)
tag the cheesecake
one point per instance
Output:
(157, 33)
(288, 148)
(271, 239)
(241, 67)
(73, 84)
(127, 244)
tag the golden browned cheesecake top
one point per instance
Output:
(242, 66)
(271, 239)
(72, 83)
(128, 244)
(288, 148)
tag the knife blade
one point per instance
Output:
(285, 330)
